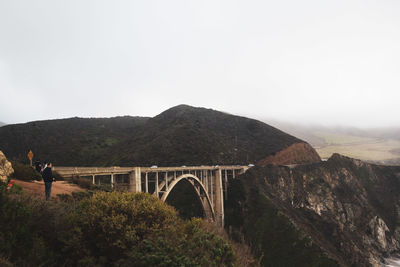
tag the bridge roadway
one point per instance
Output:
(209, 182)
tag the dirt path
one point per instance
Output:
(59, 187)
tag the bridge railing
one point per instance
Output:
(72, 171)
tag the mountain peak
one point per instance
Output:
(181, 135)
(183, 108)
(187, 113)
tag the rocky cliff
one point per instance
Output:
(298, 153)
(5, 167)
(349, 208)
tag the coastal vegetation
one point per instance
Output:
(104, 229)
(24, 172)
(182, 135)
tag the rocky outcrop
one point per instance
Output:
(5, 168)
(351, 209)
(298, 153)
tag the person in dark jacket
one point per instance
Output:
(48, 180)
(38, 166)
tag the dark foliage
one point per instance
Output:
(182, 135)
(73, 141)
(105, 229)
(24, 172)
(28, 235)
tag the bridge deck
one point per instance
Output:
(69, 171)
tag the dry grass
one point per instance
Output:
(340, 139)
(369, 149)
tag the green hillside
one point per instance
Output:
(74, 141)
(182, 135)
(105, 229)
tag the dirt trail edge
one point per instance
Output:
(59, 187)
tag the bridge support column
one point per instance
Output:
(135, 180)
(157, 191)
(166, 181)
(147, 182)
(219, 201)
(226, 183)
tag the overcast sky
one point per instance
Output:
(330, 62)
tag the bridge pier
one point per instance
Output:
(146, 181)
(219, 202)
(135, 180)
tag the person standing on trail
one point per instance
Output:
(48, 180)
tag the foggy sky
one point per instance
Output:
(329, 62)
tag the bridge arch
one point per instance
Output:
(210, 182)
(200, 190)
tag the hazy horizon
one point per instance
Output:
(310, 62)
(280, 124)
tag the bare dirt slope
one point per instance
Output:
(298, 153)
(59, 187)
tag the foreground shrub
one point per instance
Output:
(107, 225)
(87, 184)
(23, 228)
(137, 229)
(105, 229)
(24, 172)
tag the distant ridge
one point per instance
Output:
(182, 135)
(375, 145)
(2, 124)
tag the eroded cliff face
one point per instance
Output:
(351, 209)
(298, 153)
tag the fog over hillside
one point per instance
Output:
(313, 61)
(379, 145)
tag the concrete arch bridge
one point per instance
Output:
(209, 182)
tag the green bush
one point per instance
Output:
(87, 184)
(21, 237)
(104, 229)
(24, 172)
(125, 229)
(108, 225)
(82, 182)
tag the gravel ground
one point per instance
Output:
(59, 187)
